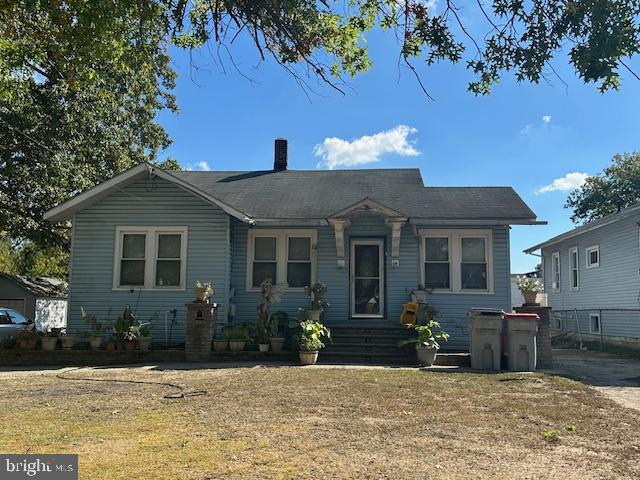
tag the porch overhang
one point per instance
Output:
(341, 220)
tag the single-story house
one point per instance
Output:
(41, 299)
(145, 236)
(592, 278)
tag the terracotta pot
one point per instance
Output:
(144, 344)
(129, 345)
(67, 342)
(263, 347)
(277, 344)
(420, 295)
(530, 297)
(308, 358)
(95, 341)
(314, 315)
(110, 345)
(426, 356)
(28, 344)
(237, 345)
(49, 343)
(220, 345)
(201, 294)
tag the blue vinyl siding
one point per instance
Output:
(142, 204)
(400, 281)
(615, 284)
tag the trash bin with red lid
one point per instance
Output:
(521, 341)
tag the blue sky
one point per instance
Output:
(522, 135)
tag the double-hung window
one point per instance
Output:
(573, 267)
(555, 271)
(150, 258)
(458, 261)
(283, 256)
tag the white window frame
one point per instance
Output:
(595, 315)
(556, 272)
(574, 251)
(455, 257)
(151, 255)
(282, 253)
(588, 250)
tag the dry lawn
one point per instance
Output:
(321, 423)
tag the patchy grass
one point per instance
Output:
(321, 423)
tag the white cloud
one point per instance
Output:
(546, 118)
(570, 181)
(336, 152)
(202, 165)
(531, 128)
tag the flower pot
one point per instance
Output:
(308, 358)
(426, 355)
(49, 343)
(67, 342)
(530, 297)
(110, 346)
(314, 315)
(95, 341)
(220, 345)
(263, 347)
(421, 295)
(237, 345)
(201, 294)
(144, 344)
(27, 343)
(277, 344)
(129, 345)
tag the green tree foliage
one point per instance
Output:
(32, 260)
(80, 87)
(616, 188)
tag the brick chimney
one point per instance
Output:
(280, 155)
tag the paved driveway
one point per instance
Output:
(616, 377)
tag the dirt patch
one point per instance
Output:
(309, 423)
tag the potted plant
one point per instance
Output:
(420, 293)
(120, 329)
(316, 293)
(95, 332)
(203, 291)
(310, 341)
(426, 341)
(67, 341)
(129, 338)
(277, 321)
(50, 340)
(530, 287)
(111, 344)
(144, 337)
(237, 335)
(269, 295)
(27, 339)
(220, 344)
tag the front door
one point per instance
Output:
(367, 278)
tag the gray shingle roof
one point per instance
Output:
(39, 286)
(303, 194)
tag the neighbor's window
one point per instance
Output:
(150, 257)
(457, 260)
(282, 256)
(593, 256)
(473, 266)
(573, 264)
(555, 271)
(594, 321)
(557, 321)
(437, 272)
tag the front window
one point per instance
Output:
(437, 271)
(150, 258)
(282, 256)
(457, 260)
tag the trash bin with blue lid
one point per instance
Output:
(485, 328)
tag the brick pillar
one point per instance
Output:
(543, 338)
(201, 318)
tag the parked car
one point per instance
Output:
(12, 322)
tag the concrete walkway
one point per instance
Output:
(617, 377)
